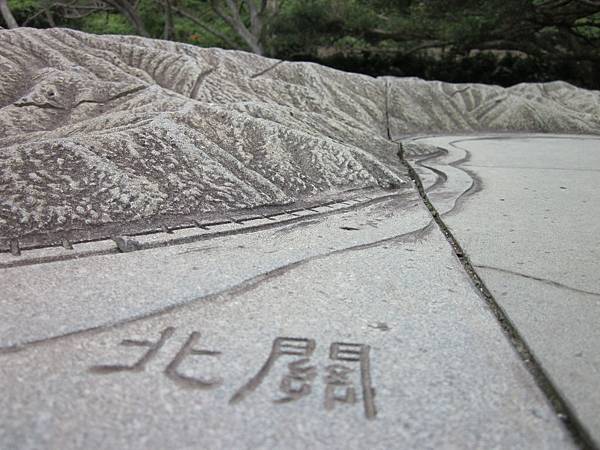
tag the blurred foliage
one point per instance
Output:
(106, 23)
(495, 41)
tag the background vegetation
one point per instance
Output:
(495, 41)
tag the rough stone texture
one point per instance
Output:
(105, 129)
(420, 107)
(108, 129)
(114, 131)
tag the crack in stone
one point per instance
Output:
(542, 280)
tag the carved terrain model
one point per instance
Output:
(98, 131)
(203, 248)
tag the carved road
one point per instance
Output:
(151, 234)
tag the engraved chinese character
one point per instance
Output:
(339, 387)
(297, 382)
(185, 380)
(140, 364)
(172, 369)
(301, 347)
(338, 377)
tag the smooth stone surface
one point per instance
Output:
(442, 372)
(41, 301)
(532, 229)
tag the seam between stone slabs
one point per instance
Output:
(387, 109)
(476, 183)
(563, 410)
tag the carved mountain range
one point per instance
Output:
(113, 129)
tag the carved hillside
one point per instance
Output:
(105, 129)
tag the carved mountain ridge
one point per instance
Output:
(113, 129)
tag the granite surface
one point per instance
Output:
(104, 130)
(527, 219)
(203, 248)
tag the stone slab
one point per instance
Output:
(531, 228)
(46, 300)
(406, 354)
(230, 183)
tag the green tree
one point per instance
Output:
(457, 40)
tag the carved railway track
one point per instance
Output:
(162, 232)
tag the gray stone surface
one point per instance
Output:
(442, 373)
(421, 107)
(98, 131)
(202, 207)
(101, 130)
(47, 300)
(531, 229)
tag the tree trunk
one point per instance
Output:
(48, 13)
(181, 11)
(232, 16)
(169, 26)
(7, 15)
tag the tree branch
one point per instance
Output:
(182, 12)
(7, 15)
(131, 13)
(235, 21)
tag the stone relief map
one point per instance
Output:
(205, 248)
(101, 130)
